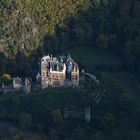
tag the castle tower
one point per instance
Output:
(44, 71)
(17, 83)
(3, 86)
(44, 83)
(87, 114)
(75, 75)
(27, 87)
(83, 74)
(38, 78)
(4, 90)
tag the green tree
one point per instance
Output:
(56, 114)
(25, 120)
(126, 101)
(108, 122)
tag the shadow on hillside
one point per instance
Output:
(81, 29)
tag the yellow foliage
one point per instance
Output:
(6, 77)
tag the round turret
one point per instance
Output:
(87, 114)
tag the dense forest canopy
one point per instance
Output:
(24, 22)
(35, 27)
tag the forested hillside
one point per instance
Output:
(34, 27)
(103, 36)
(24, 23)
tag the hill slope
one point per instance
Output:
(24, 23)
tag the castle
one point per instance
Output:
(61, 71)
(53, 72)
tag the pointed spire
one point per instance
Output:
(69, 56)
(3, 85)
(51, 57)
(57, 67)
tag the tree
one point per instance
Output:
(79, 133)
(126, 101)
(103, 41)
(25, 120)
(56, 114)
(108, 122)
(99, 135)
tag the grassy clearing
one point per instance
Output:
(92, 56)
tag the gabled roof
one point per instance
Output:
(17, 80)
